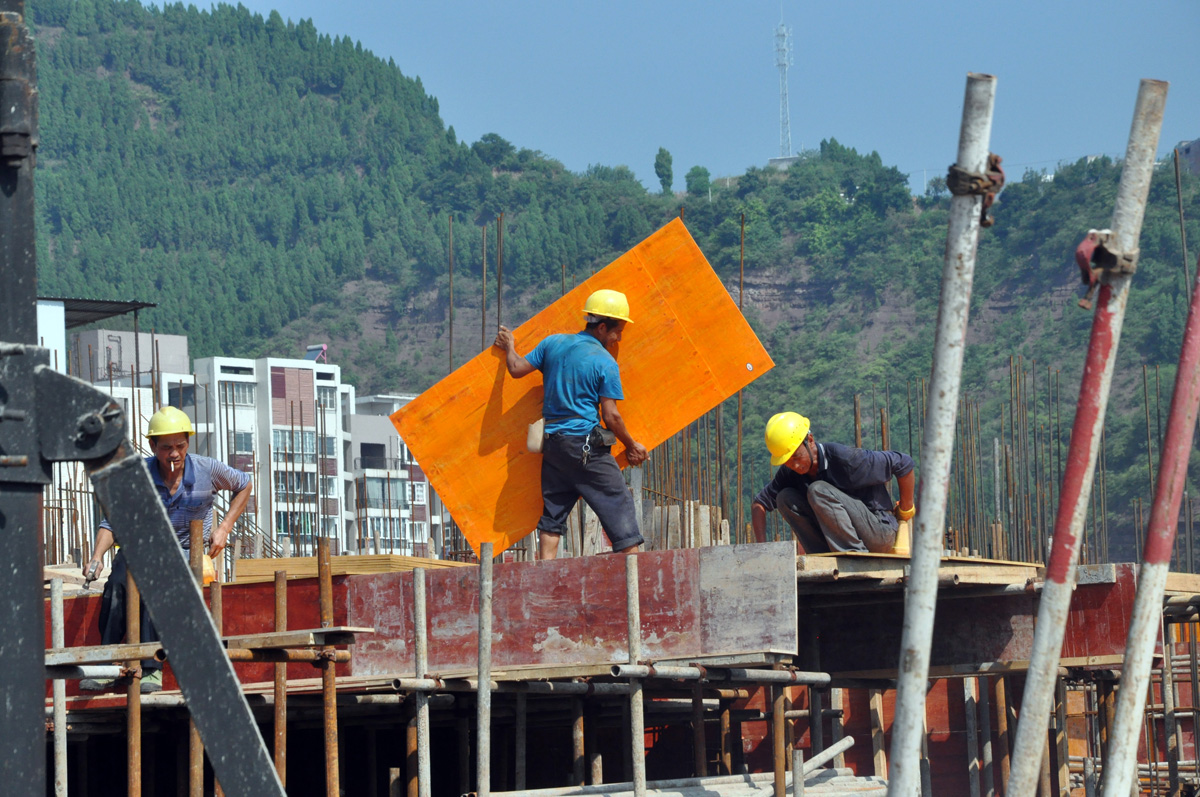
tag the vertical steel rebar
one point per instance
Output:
(450, 357)
(920, 600)
(483, 294)
(195, 746)
(133, 700)
(1182, 228)
(637, 717)
(1081, 458)
(483, 699)
(738, 532)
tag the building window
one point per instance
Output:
(181, 395)
(295, 486)
(329, 446)
(373, 455)
(327, 398)
(240, 394)
(294, 446)
(381, 493)
(418, 492)
(243, 442)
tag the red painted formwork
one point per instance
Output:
(695, 603)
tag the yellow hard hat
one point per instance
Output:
(610, 304)
(785, 432)
(169, 420)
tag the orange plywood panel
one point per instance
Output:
(688, 349)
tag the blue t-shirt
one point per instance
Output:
(576, 372)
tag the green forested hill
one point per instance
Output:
(271, 186)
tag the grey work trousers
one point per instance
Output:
(826, 519)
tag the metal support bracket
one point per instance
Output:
(78, 422)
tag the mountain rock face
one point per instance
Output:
(269, 186)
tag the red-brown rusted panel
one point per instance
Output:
(694, 603)
(1098, 622)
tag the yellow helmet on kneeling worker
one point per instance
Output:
(785, 432)
(169, 420)
(608, 304)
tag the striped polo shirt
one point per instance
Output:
(202, 477)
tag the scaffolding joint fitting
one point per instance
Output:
(961, 182)
(1097, 255)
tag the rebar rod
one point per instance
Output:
(1081, 458)
(483, 698)
(920, 599)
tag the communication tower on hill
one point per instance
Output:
(783, 59)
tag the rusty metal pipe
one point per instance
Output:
(1085, 440)
(920, 599)
(133, 700)
(280, 685)
(195, 746)
(778, 726)
(328, 673)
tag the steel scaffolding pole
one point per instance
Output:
(937, 448)
(1085, 442)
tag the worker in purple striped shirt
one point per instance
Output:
(186, 483)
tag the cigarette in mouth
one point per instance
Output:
(172, 466)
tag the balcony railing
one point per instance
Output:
(380, 463)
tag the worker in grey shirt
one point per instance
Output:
(834, 497)
(187, 484)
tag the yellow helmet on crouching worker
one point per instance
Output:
(609, 304)
(170, 420)
(785, 432)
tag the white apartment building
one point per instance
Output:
(396, 508)
(283, 421)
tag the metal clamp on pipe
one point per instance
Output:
(961, 182)
(1097, 254)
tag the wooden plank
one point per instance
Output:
(674, 530)
(670, 378)
(878, 751)
(979, 668)
(300, 638)
(258, 570)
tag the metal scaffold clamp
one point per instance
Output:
(1096, 255)
(961, 182)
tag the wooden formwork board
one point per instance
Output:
(688, 349)
(252, 570)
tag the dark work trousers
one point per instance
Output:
(112, 612)
(826, 519)
(565, 479)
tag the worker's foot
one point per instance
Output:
(97, 684)
(151, 682)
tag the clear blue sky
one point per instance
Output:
(611, 82)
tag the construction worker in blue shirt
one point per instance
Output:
(186, 483)
(834, 497)
(580, 373)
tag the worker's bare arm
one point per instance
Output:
(237, 505)
(635, 452)
(104, 541)
(758, 521)
(517, 365)
(906, 483)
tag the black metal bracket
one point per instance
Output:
(51, 417)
